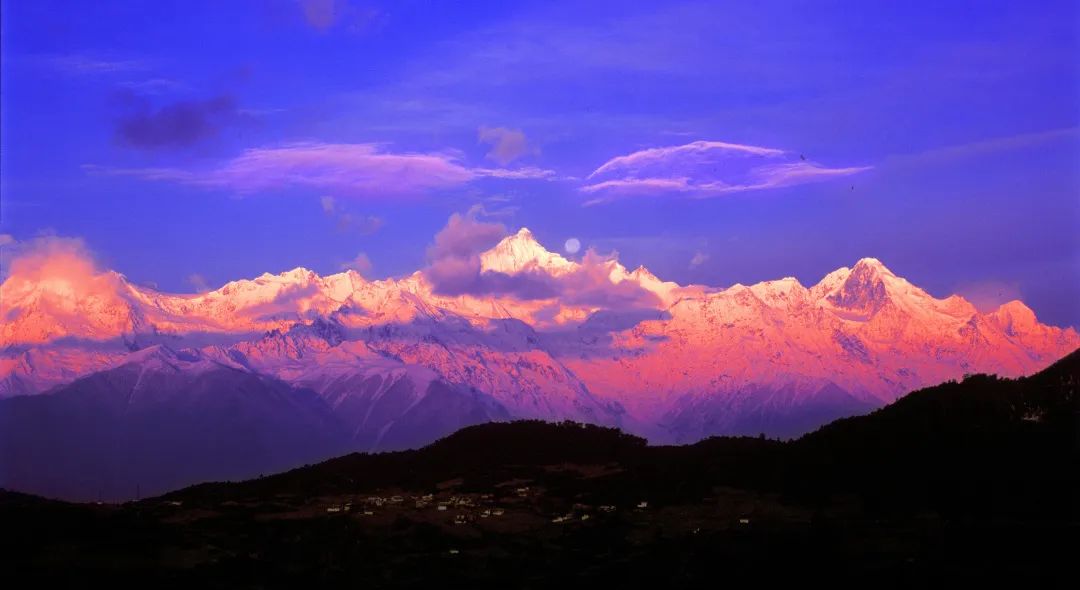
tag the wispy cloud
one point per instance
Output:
(526, 173)
(706, 168)
(347, 220)
(77, 64)
(355, 170)
(986, 146)
(198, 282)
(155, 86)
(694, 152)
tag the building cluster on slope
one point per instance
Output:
(466, 508)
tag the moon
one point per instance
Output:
(573, 245)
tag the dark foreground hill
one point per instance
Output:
(975, 481)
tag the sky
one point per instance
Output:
(187, 144)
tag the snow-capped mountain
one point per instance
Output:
(397, 364)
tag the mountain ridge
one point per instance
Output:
(672, 363)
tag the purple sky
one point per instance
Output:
(191, 143)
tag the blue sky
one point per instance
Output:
(227, 139)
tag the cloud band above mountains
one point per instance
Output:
(700, 168)
(348, 169)
(705, 169)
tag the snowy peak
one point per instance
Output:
(872, 265)
(780, 293)
(863, 290)
(1015, 318)
(521, 252)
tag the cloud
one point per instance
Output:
(197, 281)
(44, 255)
(590, 284)
(988, 295)
(705, 168)
(324, 15)
(180, 124)
(361, 264)
(454, 266)
(290, 301)
(62, 275)
(987, 146)
(526, 173)
(698, 259)
(85, 65)
(506, 144)
(349, 221)
(321, 14)
(793, 173)
(347, 169)
(154, 86)
(466, 234)
(698, 151)
(455, 269)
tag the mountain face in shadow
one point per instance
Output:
(168, 419)
(147, 427)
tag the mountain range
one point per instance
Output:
(101, 378)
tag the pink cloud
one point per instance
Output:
(694, 150)
(642, 184)
(361, 264)
(526, 173)
(705, 168)
(464, 234)
(506, 144)
(53, 288)
(454, 257)
(590, 284)
(198, 282)
(347, 169)
(798, 173)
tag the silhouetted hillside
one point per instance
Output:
(967, 482)
(981, 444)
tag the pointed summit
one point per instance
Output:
(1014, 317)
(863, 289)
(874, 265)
(521, 251)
